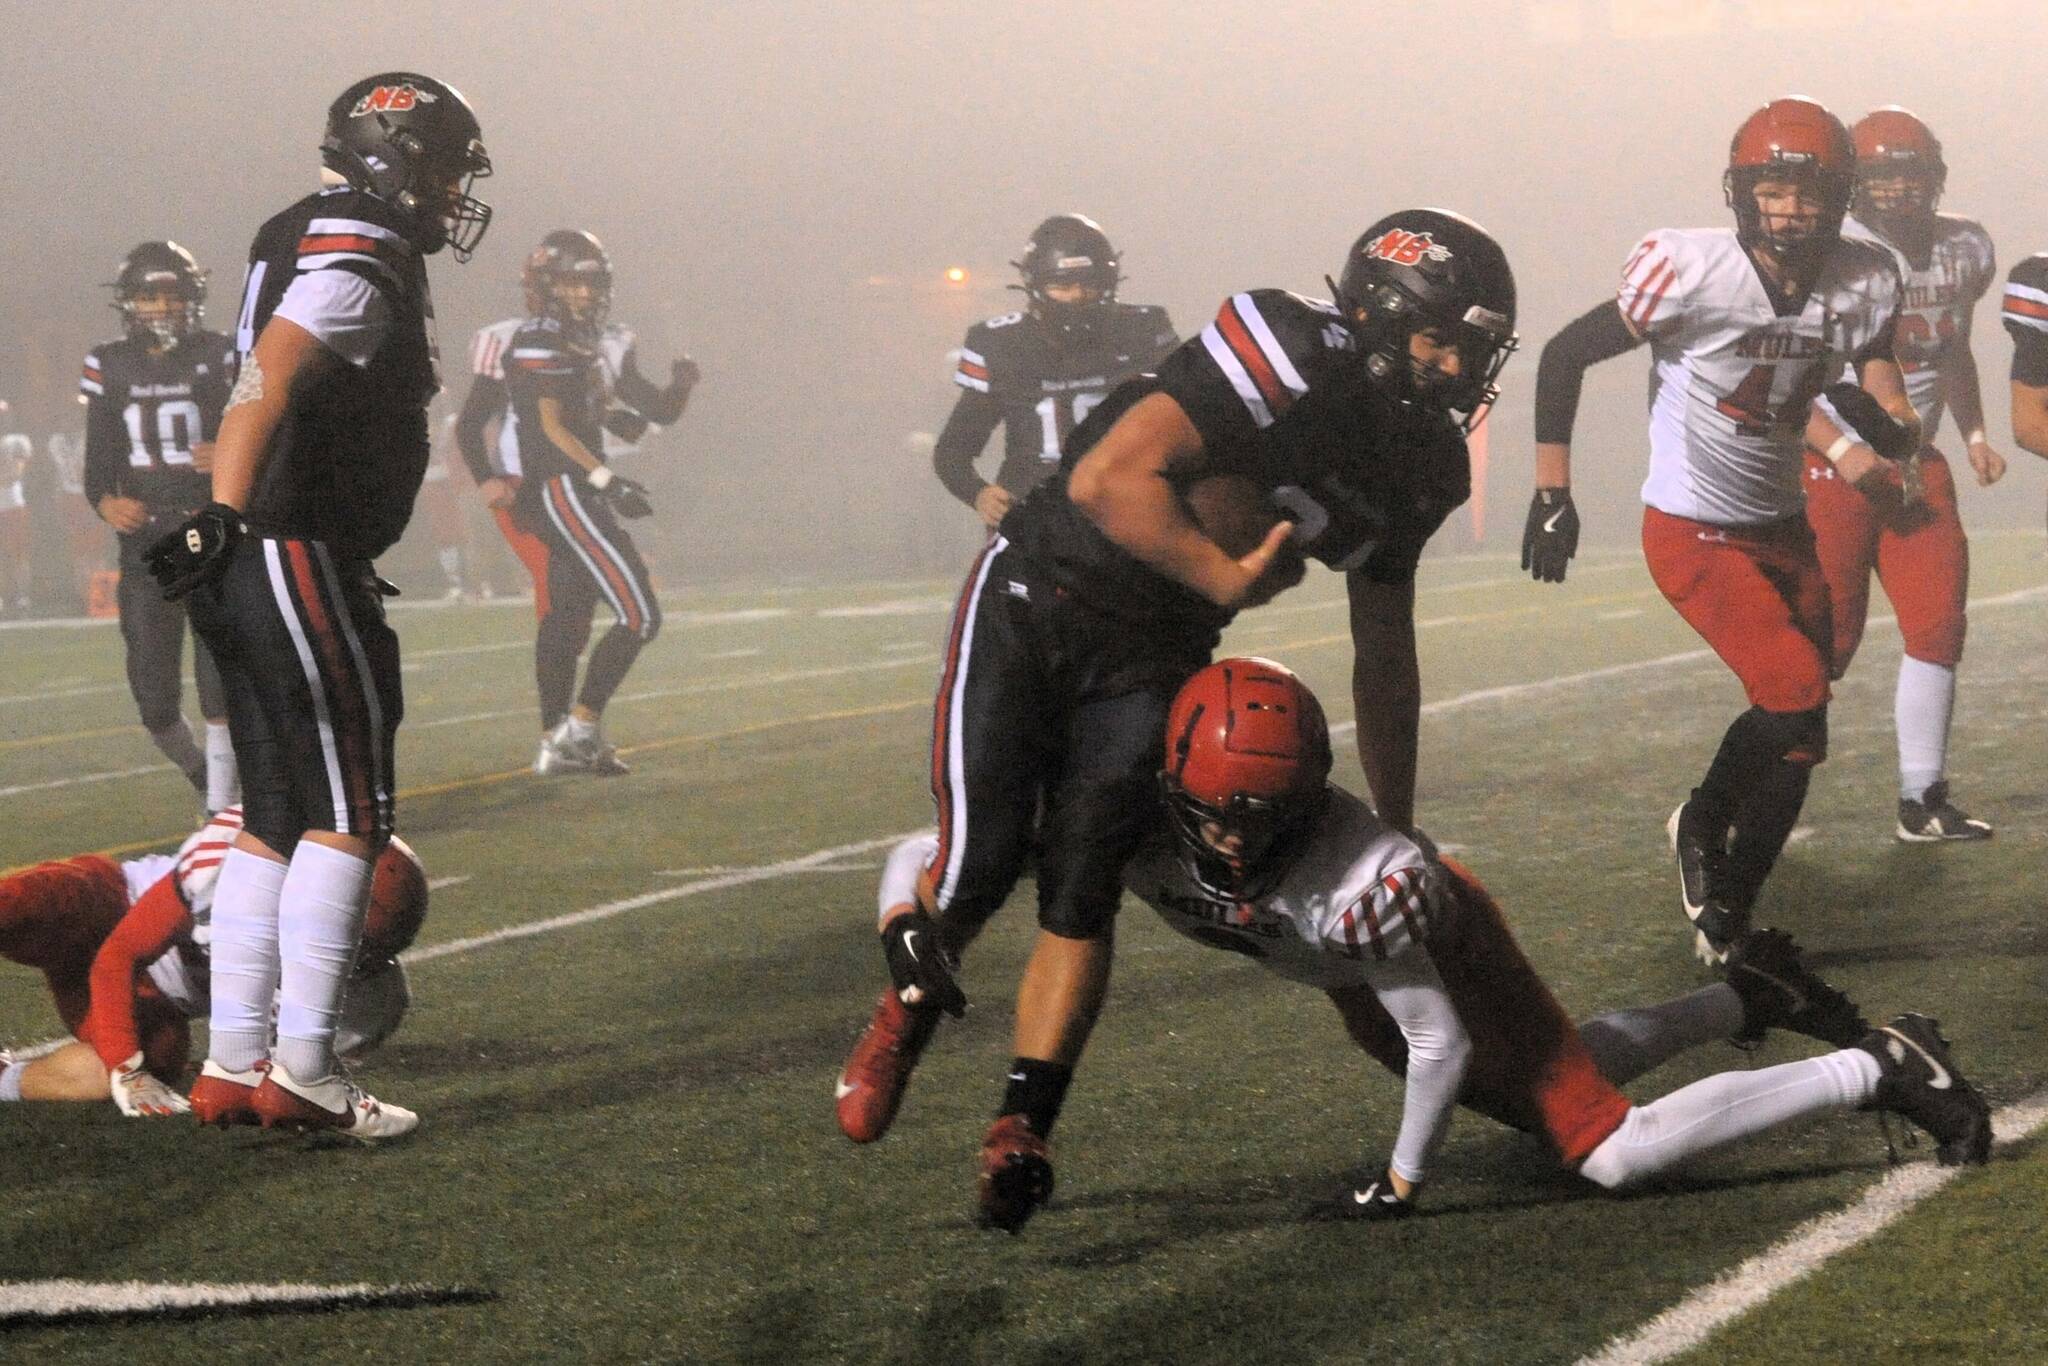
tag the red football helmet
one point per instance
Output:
(398, 906)
(1899, 170)
(1247, 757)
(1792, 139)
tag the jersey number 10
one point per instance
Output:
(176, 425)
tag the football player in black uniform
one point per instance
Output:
(1109, 586)
(1040, 371)
(2025, 314)
(153, 401)
(320, 455)
(556, 378)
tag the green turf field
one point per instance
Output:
(627, 1138)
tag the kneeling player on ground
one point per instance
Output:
(124, 947)
(1268, 859)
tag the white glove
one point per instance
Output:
(140, 1095)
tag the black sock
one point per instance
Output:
(1763, 823)
(1036, 1091)
(1746, 753)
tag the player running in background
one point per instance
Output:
(487, 429)
(320, 457)
(153, 400)
(1911, 536)
(1746, 326)
(559, 381)
(1109, 585)
(1038, 372)
(125, 950)
(1269, 860)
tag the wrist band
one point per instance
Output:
(1975, 438)
(599, 477)
(1841, 447)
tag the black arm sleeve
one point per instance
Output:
(106, 450)
(967, 430)
(1598, 334)
(637, 392)
(486, 400)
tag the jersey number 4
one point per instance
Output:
(161, 433)
(1749, 405)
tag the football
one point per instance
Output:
(1231, 510)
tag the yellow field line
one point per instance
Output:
(99, 734)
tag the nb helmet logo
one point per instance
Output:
(391, 99)
(1405, 248)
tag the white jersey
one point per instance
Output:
(373, 1006)
(1934, 323)
(1732, 376)
(487, 358)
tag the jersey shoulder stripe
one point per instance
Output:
(2025, 305)
(1244, 341)
(92, 379)
(487, 348)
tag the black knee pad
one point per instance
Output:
(1799, 737)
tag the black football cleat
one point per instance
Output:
(1016, 1174)
(1702, 872)
(1779, 991)
(1934, 819)
(1921, 1082)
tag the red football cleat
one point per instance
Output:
(1016, 1174)
(333, 1103)
(223, 1097)
(877, 1071)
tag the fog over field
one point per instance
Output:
(783, 185)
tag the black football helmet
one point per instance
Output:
(149, 271)
(569, 256)
(1069, 249)
(414, 143)
(1428, 268)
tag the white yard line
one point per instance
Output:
(107, 777)
(69, 1301)
(819, 861)
(1692, 1320)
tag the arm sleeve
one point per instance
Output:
(156, 919)
(1598, 334)
(1439, 1051)
(967, 430)
(636, 391)
(106, 450)
(343, 309)
(486, 400)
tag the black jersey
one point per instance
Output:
(2025, 315)
(144, 412)
(347, 461)
(547, 360)
(1044, 382)
(1279, 395)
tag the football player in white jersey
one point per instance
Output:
(1268, 860)
(124, 949)
(487, 430)
(1746, 326)
(1914, 540)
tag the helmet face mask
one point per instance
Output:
(1420, 288)
(160, 294)
(1246, 776)
(1070, 273)
(1788, 152)
(412, 141)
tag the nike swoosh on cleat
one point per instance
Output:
(910, 944)
(1941, 1081)
(844, 1088)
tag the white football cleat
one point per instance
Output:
(560, 754)
(334, 1103)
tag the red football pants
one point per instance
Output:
(1918, 550)
(1756, 594)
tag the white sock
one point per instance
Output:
(1627, 1043)
(1925, 701)
(176, 743)
(223, 782)
(451, 565)
(580, 729)
(325, 895)
(1728, 1106)
(244, 959)
(10, 1080)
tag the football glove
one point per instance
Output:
(1376, 1204)
(626, 424)
(1870, 423)
(140, 1095)
(196, 552)
(920, 965)
(1551, 536)
(627, 497)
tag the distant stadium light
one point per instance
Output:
(956, 275)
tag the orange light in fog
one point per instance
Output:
(956, 275)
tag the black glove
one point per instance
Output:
(1551, 536)
(626, 424)
(628, 497)
(1871, 424)
(1375, 1204)
(197, 552)
(683, 374)
(920, 965)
